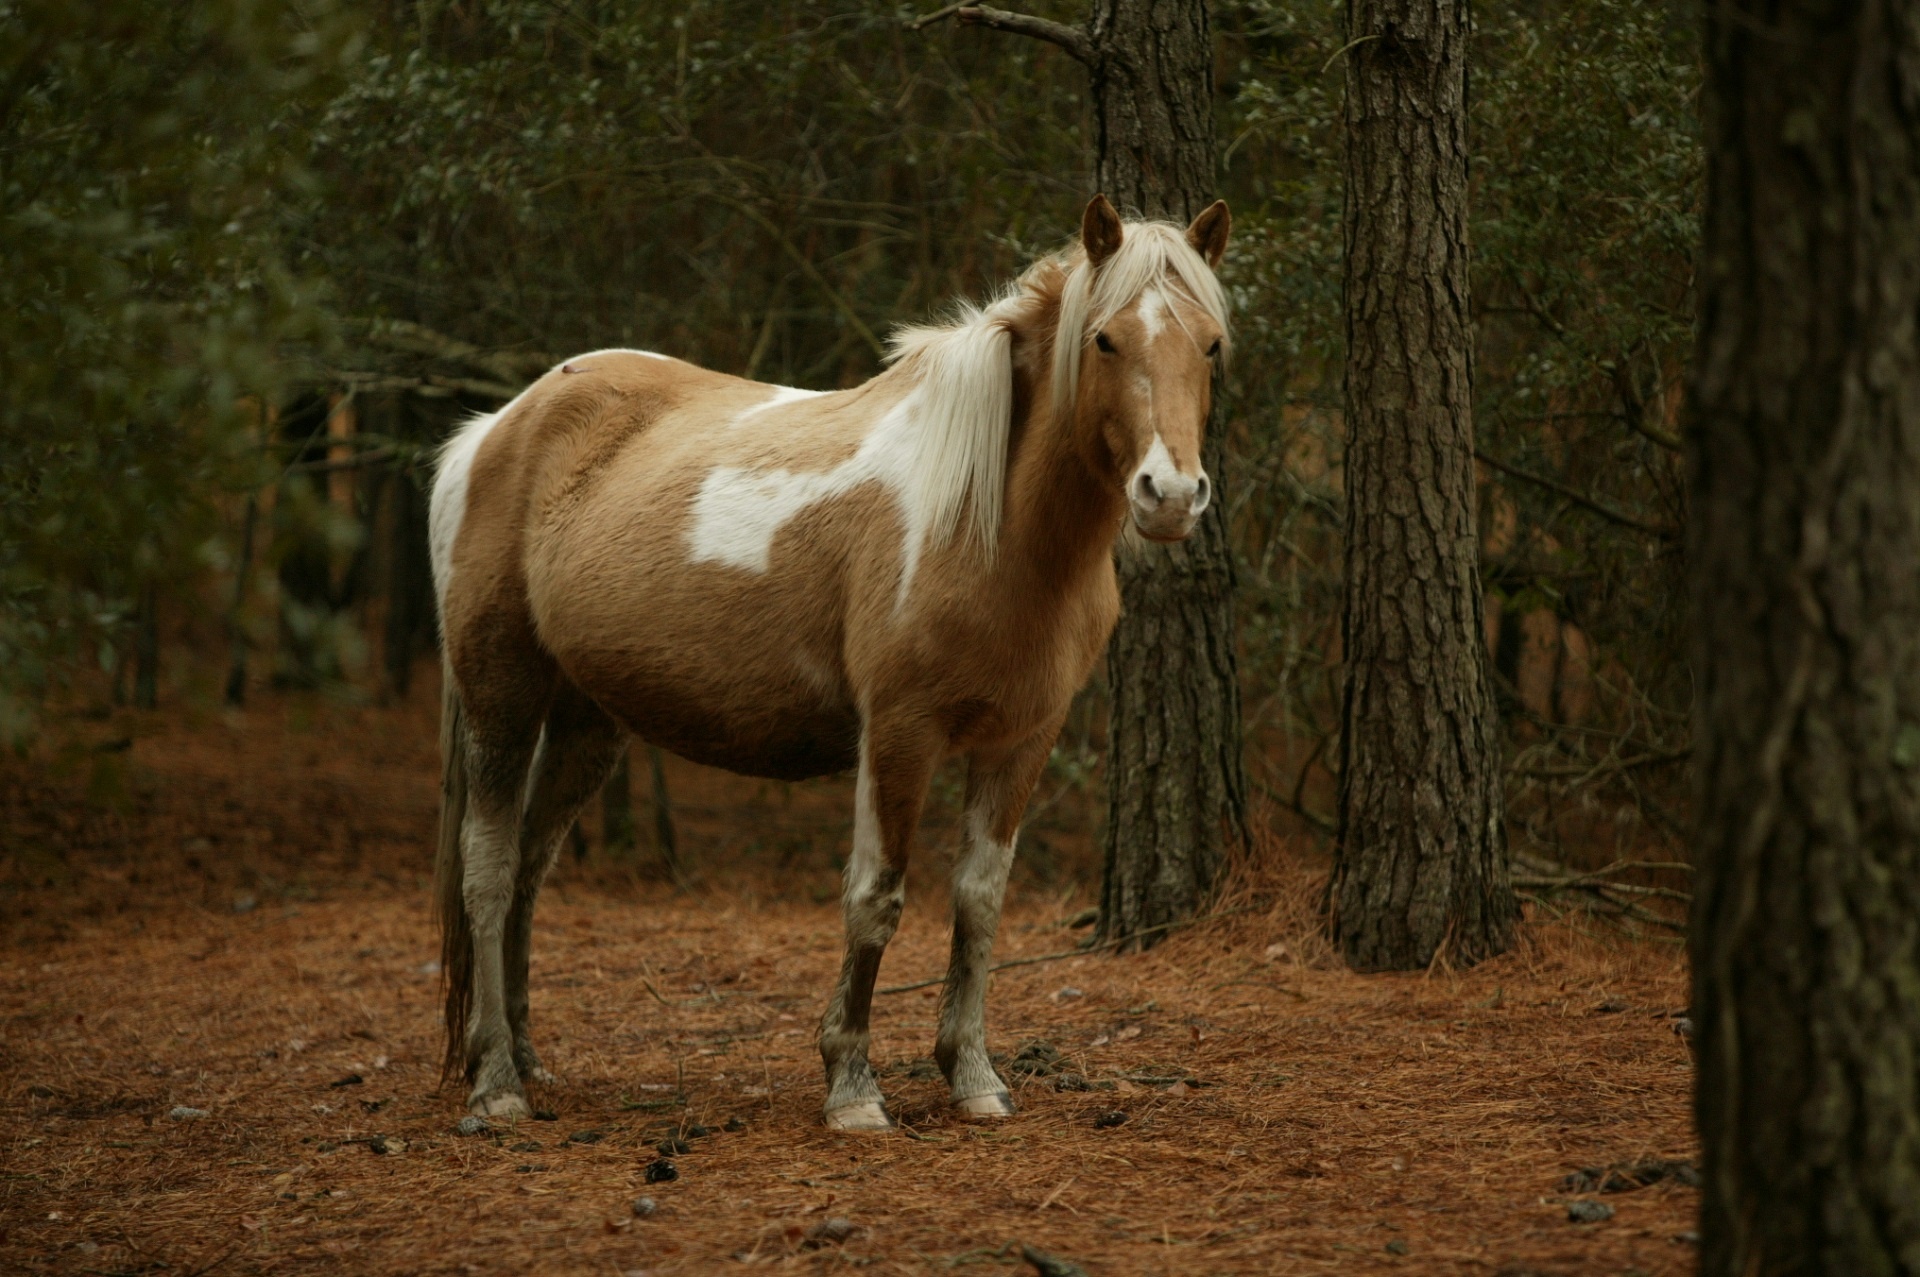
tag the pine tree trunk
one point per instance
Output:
(1176, 786)
(1420, 868)
(237, 648)
(1805, 566)
(409, 583)
(146, 648)
(616, 808)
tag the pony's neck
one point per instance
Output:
(1062, 513)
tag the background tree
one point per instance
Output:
(148, 296)
(1176, 782)
(1421, 858)
(1805, 459)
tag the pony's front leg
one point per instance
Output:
(894, 771)
(998, 787)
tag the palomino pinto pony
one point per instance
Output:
(789, 583)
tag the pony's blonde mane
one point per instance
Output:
(1150, 253)
(963, 369)
(964, 376)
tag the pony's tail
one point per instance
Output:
(449, 874)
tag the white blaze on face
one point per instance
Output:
(1153, 312)
(1162, 494)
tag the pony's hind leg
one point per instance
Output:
(578, 748)
(894, 772)
(497, 761)
(997, 791)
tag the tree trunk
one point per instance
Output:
(665, 839)
(146, 648)
(409, 583)
(616, 808)
(1176, 786)
(1420, 868)
(236, 690)
(1804, 539)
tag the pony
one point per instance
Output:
(791, 583)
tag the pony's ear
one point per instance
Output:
(1209, 232)
(1100, 230)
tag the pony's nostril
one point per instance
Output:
(1202, 492)
(1148, 492)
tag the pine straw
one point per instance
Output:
(1324, 1115)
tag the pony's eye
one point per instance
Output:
(1213, 351)
(1106, 346)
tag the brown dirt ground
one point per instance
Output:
(230, 914)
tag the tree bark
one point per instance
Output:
(146, 648)
(1804, 537)
(616, 808)
(237, 647)
(409, 583)
(1420, 867)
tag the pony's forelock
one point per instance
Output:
(1150, 253)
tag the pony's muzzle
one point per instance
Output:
(1166, 504)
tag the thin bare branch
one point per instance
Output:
(1581, 499)
(1072, 39)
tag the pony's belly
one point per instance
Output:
(746, 719)
(798, 749)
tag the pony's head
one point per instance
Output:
(1143, 325)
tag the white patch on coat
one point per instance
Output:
(615, 350)
(739, 511)
(940, 450)
(448, 504)
(781, 395)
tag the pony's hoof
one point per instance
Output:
(869, 1115)
(993, 1104)
(540, 1076)
(503, 1106)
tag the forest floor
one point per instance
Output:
(227, 913)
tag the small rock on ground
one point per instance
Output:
(671, 1145)
(1109, 1119)
(644, 1206)
(831, 1231)
(1050, 1265)
(586, 1137)
(471, 1125)
(181, 1113)
(1586, 1212)
(662, 1172)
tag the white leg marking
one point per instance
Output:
(979, 888)
(871, 909)
(492, 865)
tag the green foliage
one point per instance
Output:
(761, 188)
(143, 297)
